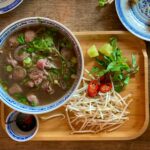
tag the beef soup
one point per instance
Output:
(38, 65)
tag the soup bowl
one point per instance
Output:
(32, 21)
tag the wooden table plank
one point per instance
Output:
(78, 15)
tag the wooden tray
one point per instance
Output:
(58, 130)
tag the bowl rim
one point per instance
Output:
(62, 99)
(19, 140)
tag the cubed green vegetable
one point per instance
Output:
(106, 49)
(92, 51)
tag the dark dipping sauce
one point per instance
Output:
(25, 122)
(38, 65)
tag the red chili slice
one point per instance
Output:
(93, 88)
(104, 88)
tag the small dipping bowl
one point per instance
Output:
(15, 133)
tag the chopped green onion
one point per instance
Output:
(27, 62)
(9, 68)
(21, 39)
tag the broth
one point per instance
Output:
(38, 65)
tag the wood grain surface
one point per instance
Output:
(78, 15)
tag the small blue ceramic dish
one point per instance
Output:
(135, 17)
(8, 100)
(8, 5)
(15, 133)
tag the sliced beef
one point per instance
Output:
(41, 63)
(32, 98)
(29, 35)
(13, 41)
(19, 73)
(15, 88)
(46, 86)
(36, 75)
(38, 81)
(30, 84)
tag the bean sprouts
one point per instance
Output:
(105, 112)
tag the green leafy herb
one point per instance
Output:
(4, 84)
(113, 42)
(98, 72)
(115, 64)
(66, 77)
(95, 70)
(55, 71)
(118, 86)
(41, 44)
(33, 104)
(133, 61)
(21, 98)
(51, 32)
(126, 81)
(21, 39)
(135, 68)
(100, 62)
(102, 2)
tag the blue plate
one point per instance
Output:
(135, 17)
(8, 5)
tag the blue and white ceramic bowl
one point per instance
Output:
(135, 17)
(15, 133)
(8, 5)
(52, 106)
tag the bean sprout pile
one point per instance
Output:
(105, 112)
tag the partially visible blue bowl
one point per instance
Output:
(8, 100)
(9, 5)
(135, 17)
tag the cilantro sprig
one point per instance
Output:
(41, 44)
(21, 39)
(104, 2)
